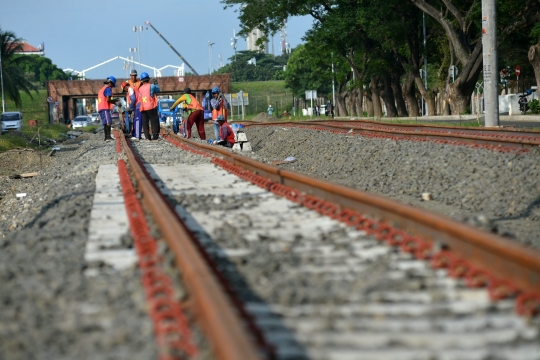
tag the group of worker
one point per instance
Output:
(142, 114)
(141, 103)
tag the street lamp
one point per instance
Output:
(210, 54)
(138, 29)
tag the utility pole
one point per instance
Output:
(138, 29)
(425, 57)
(489, 50)
(234, 39)
(333, 87)
(210, 55)
(2, 81)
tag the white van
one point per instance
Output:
(11, 120)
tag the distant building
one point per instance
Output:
(252, 38)
(28, 49)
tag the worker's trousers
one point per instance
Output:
(136, 131)
(196, 117)
(150, 117)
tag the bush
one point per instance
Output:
(534, 105)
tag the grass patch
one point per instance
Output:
(33, 107)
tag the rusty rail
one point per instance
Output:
(481, 137)
(219, 318)
(504, 259)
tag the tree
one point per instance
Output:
(13, 75)
(39, 69)
(264, 68)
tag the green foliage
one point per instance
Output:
(534, 105)
(13, 76)
(39, 69)
(266, 66)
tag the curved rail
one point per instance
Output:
(483, 252)
(497, 138)
(220, 320)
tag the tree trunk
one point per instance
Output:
(359, 100)
(375, 96)
(398, 96)
(351, 102)
(534, 59)
(388, 96)
(410, 94)
(340, 106)
(369, 104)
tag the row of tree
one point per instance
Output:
(255, 66)
(24, 72)
(377, 48)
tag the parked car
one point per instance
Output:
(81, 121)
(11, 121)
(95, 117)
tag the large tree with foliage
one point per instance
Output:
(14, 79)
(39, 69)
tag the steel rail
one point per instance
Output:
(225, 329)
(473, 130)
(503, 258)
(499, 140)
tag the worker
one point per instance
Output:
(133, 82)
(105, 104)
(148, 105)
(226, 133)
(220, 106)
(195, 113)
(130, 94)
(270, 109)
(135, 113)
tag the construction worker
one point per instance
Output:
(130, 94)
(148, 103)
(105, 105)
(226, 133)
(220, 106)
(135, 113)
(133, 82)
(195, 113)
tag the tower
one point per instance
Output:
(283, 36)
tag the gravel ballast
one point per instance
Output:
(498, 192)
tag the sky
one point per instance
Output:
(79, 34)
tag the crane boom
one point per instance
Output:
(173, 49)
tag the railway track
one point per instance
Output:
(501, 139)
(281, 265)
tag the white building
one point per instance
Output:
(252, 38)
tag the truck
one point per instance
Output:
(169, 117)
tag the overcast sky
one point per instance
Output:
(80, 34)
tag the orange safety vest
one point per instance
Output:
(221, 111)
(147, 102)
(103, 103)
(136, 85)
(230, 137)
(194, 104)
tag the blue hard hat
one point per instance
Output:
(220, 118)
(215, 89)
(111, 79)
(144, 76)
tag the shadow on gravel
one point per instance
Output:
(525, 214)
(53, 203)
